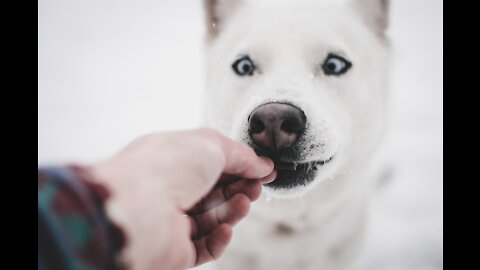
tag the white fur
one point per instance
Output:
(318, 226)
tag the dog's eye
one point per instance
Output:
(243, 66)
(335, 65)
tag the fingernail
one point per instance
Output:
(267, 161)
(269, 178)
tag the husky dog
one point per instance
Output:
(306, 86)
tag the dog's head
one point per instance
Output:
(302, 85)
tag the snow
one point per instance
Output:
(110, 71)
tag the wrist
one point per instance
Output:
(100, 194)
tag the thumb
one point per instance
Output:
(212, 154)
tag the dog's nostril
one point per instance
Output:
(291, 126)
(256, 126)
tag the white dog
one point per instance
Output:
(305, 86)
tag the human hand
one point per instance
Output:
(178, 194)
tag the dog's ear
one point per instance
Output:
(374, 13)
(216, 12)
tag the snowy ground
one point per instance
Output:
(112, 70)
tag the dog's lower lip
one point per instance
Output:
(294, 174)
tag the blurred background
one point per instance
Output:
(112, 70)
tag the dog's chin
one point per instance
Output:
(292, 183)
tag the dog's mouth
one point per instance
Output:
(293, 174)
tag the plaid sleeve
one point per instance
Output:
(74, 231)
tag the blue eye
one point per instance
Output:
(335, 65)
(243, 66)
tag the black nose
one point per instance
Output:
(276, 126)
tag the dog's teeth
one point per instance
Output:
(293, 166)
